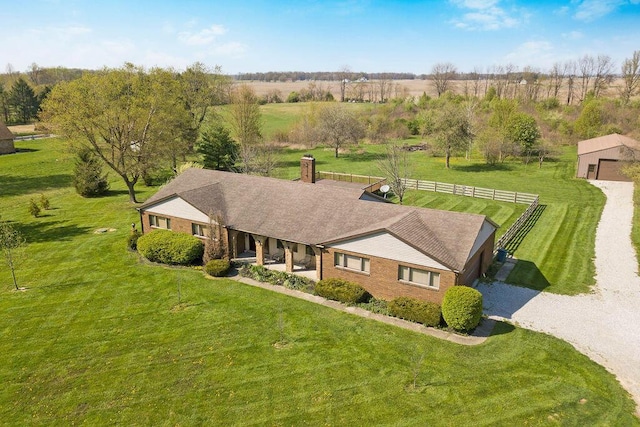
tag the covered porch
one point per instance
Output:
(276, 254)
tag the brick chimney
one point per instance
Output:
(308, 169)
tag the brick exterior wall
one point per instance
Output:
(382, 281)
(486, 252)
(179, 225)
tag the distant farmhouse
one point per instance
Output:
(603, 157)
(340, 232)
(6, 140)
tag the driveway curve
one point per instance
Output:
(602, 324)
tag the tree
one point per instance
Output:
(589, 122)
(630, 76)
(503, 110)
(338, 126)
(603, 74)
(441, 75)
(344, 75)
(127, 116)
(218, 150)
(23, 100)
(395, 167)
(10, 242)
(246, 121)
(522, 130)
(88, 178)
(452, 130)
(586, 67)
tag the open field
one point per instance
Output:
(99, 338)
(414, 87)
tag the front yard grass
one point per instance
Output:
(101, 338)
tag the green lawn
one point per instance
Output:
(556, 255)
(99, 338)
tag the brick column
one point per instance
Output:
(318, 253)
(260, 241)
(288, 256)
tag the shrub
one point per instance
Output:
(168, 247)
(217, 267)
(132, 240)
(427, 313)
(44, 202)
(342, 290)
(34, 209)
(279, 278)
(462, 308)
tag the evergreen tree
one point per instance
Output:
(23, 100)
(88, 178)
(217, 148)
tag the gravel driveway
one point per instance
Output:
(604, 324)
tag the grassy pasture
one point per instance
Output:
(99, 338)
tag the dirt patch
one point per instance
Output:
(22, 128)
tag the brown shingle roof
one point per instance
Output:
(605, 142)
(5, 133)
(318, 214)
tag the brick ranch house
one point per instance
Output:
(340, 232)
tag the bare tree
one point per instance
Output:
(215, 246)
(344, 76)
(556, 77)
(395, 167)
(441, 75)
(586, 67)
(34, 72)
(383, 85)
(603, 74)
(338, 126)
(10, 242)
(246, 118)
(570, 68)
(630, 76)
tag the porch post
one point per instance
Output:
(288, 256)
(318, 252)
(233, 236)
(260, 241)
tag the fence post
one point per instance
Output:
(494, 194)
(473, 192)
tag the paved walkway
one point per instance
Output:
(479, 335)
(604, 324)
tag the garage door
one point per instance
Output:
(610, 170)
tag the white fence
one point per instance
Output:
(459, 190)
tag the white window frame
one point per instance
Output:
(198, 230)
(162, 222)
(341, 260)
(406, 275)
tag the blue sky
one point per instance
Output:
(369, 36)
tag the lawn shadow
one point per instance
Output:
(26, 150)
(12, 185)
(362, 157)
(50, 231)
(482, 167)
(502, 328)
(514, 243)
(526, 274)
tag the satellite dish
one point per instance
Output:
(385, 188)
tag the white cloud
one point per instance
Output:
(573, 35)
(230, 49)
(534, 52)
(203, 37)
(483, 15)
(590, 10)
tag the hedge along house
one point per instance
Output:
(340, 232)
(604, 157)
(6, 140)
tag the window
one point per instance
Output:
(160, 222)
(419, 277)
(198, 230)
(351, 262)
